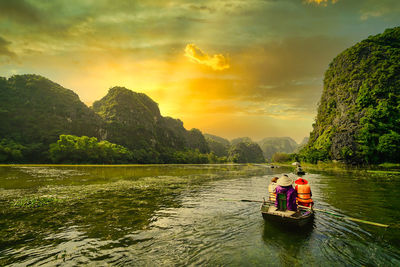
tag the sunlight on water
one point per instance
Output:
(173, 215)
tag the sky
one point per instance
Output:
(231, 68)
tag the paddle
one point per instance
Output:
(243, 200)
(346, 217)
(304, 207)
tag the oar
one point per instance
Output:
(345, 217)
(242, 200)
(304, 207)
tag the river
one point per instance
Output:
(173, 215)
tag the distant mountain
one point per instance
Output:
(243, 152)
(272, 145)
(217, 139)
(218, 145)
(241, 140)
(269, 146)
(34, 111)
(302, 144)
(358, 118)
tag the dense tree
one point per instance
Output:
(281, 157)
(74, 149)
(34, 111)
(11, 151)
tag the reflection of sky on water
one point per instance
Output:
(132, 218)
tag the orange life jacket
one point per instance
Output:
(304, 193)
(272, 193)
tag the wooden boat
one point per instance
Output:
(291, 218)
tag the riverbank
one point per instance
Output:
(384, 168)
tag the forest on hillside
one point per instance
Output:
(43, 122)
(358, 120)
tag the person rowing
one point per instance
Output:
(285, 188)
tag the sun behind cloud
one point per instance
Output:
(216, 62)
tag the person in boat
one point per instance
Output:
(284, 186)
(271, 189)
(304, 193)
(299, 169)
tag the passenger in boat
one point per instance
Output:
(299, 169)
(304, 193)
(271, 189)
(285, 187)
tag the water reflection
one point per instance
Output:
(277, 236)
(172, 215)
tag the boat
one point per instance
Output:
(298, 218)
(299, 171)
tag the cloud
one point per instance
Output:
(320, 2)
(4, 50)
(19, 10)
(216, 62)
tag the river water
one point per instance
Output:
(173, 215)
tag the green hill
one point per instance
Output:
(243, 152)
(272, 145)
(34, 111)
(134, 120)
(358, 117)
(218, 145)
(241, 140)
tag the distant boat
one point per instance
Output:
(300, 172)
(287, 217)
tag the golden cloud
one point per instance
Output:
(216, 62)
(320, 2)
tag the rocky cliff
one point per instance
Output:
(134, 120)
(358, 117)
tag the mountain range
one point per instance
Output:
(35, 112)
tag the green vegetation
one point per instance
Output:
(240, 140)
(134, 121)
(10, 151)
(243, 152)
(122, 127)
(272, 145)
(34, 111)
(237, 152)
(34, 201)
(281, 157)
(218, 145)
(358, 117)
(70, 149)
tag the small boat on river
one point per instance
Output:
(287, 217)
(300, 172)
